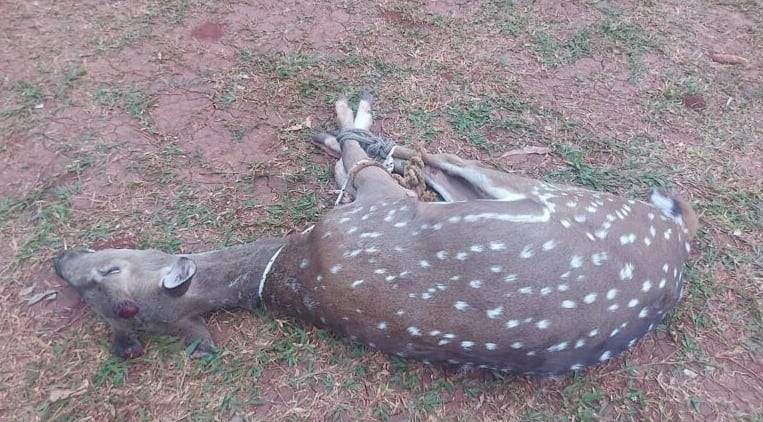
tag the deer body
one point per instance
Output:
(518, 286)
(512, 273)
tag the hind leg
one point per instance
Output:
(368, 182)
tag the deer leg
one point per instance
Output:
(370, 182)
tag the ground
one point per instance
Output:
(182, 125)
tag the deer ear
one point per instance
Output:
(178, 278)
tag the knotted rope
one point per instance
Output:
(381, 150)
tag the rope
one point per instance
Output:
(377, 147)
(380, 150)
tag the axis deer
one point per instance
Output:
(509, 273)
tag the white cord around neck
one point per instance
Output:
(267, 270)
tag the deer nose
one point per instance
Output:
(64, 256)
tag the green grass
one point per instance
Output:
(478, 79)
(553, 52)
(134, 101)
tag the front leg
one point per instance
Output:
(126, 344)
(196, 336)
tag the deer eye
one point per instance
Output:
(109, 271)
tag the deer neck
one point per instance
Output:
(231, 277)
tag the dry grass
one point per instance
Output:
(176, 125)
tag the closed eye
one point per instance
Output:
(109, 271)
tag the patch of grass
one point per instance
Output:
(469, 119)
(622, 35)
(71, 75)
(634, 173)
(27, 95)
(111, 372)
(294, 210)
(583, 399)
(134, 101)
(554, 52)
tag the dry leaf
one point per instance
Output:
(728, 58)
(39, 297)
(527, 151)
(57, 394)
(308, 123)
(27, 291)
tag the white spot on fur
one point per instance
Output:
(558, 347)
(646, 286)
(626, 272)
(477, 248)
(546, 291)
(632, 303)
(382, 326)
(643, 313)
(601, 233)
(442, 255)
(599, 258)
(424, 264)
(605, 356)
(613, 307)
(461, 305)
(580, 343)
(461, 256)
(467, 344)
(510, 278)
(543, 324)
(627, 238)
(304, 263)
(662, 283)
(527, 252)
(400, 224)
(576, 261)
(335, 269)
(490, 346)
(475, 284)
(580, 218)
(497, 246)
(414, 331)
(593, 333)
(495, 312)
(516, 345)
(568, 304)
(565, 223)
(550, 244)
(527, 290)
(512, 323)
(357, 283)
(590, 298)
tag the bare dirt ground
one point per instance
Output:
(183, 125)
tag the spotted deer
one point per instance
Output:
(508, 273)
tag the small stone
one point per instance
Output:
(694, 102)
